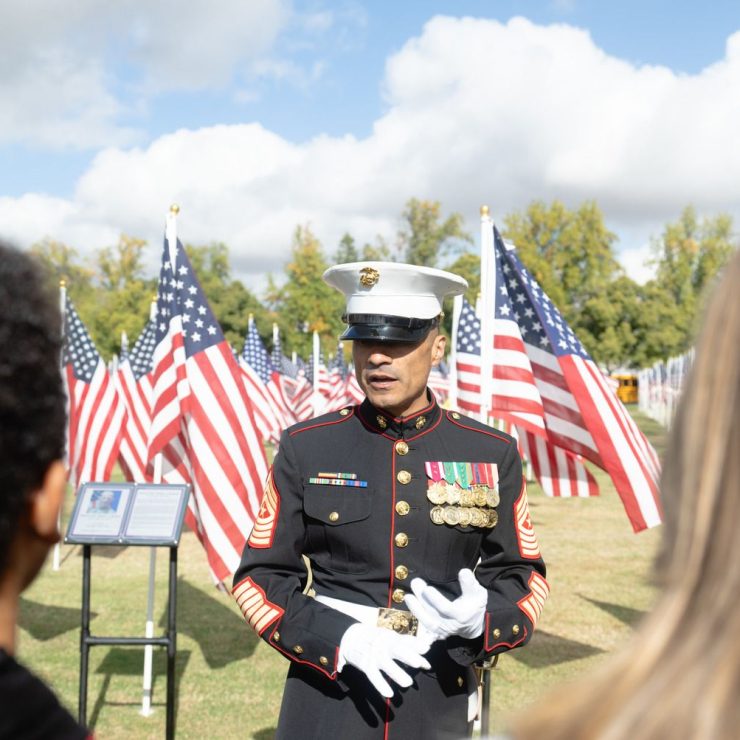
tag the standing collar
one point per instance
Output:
(404, 427)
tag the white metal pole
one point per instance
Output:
(487, 310)
(456, 311)
(146, 697)
(315, 362)
(57, 553)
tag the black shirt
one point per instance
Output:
(29, 710)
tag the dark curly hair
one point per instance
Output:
(32, 401)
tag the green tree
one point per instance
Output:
(422, 237)
(304, 303)
(687, 258)
(346, 251)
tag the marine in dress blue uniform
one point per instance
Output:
(378, 500)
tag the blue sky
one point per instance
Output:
(278, 108)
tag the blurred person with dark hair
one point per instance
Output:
(680, 676)
(32, 481)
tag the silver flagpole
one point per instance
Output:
(56, 555)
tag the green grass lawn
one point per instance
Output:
(230, 683)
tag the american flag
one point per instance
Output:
(293, 384)
(263, 389)
(134, 382)
(202, 419)
(558, 471)
(581, 413)
(439, 382)
(96, 413)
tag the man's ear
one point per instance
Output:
(438, 349)
(46, 502)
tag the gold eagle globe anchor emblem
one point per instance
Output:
(369, 276)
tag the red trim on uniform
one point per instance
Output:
(488, 631)
(426, 431)
(372, 428)
(526, 538)
(387, 728)
(259, 612)
(457, 422)
(263, 531)
(393, 524)
(323, 423)
(292, 656)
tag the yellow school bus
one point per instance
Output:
(627, 390)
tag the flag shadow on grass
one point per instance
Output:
(130, 662)
(45, 622)
(546, 649)
(223, 636)
(625, 614)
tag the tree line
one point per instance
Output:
(570, 252)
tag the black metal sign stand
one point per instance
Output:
(169, 640)
(109, 513)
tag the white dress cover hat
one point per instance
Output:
(392, 301)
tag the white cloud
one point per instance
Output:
(478, 112)
(67, 66)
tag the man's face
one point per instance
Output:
(394, 374)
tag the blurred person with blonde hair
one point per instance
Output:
(680, 675)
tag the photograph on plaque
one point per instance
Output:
(156, 514)
(99, 512)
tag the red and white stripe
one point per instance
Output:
(558, 472)
(137, 399)
(268, 415)
(94, 426)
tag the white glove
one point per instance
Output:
(441, 617)
(375, 649)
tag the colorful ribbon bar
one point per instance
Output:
(338, 482)
(343, 476)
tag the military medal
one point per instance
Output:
(436, 515)
(479, 518)
(451, 515)
(467, 498)
(492, 497)
(479, 494)
(466, 517)
(437, 492)
(492, 516)
(453, 495)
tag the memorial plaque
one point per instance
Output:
(156, 515)
(99, 513)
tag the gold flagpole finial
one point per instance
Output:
(174, 208)
(62, 283)
(484, 210)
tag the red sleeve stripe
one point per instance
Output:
(263, 531)
(257, 610)
(528, 546)
(533, 603)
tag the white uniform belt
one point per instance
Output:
(403, 622)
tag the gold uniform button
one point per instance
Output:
(455, 415)
(402, 572)
(324, 660)
(403, 477)
(402, 508)
(420, 422)
(515, 629)
(343, 412)
(334, 516)
(460, 681)
(276, 637)
(298, 650)
(496, 633)
(398, 595)
(402, 539)
(401, 447)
